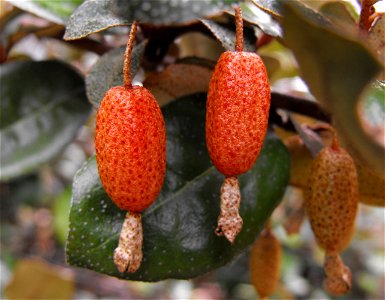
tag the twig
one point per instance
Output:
(300, 105)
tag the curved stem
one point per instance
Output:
(127, 56)
(238, 30)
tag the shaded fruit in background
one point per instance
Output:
(237, 113)
(130, 143)
(331, 202)
(371, 185)
(265, 263)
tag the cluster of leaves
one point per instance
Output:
(40, 118)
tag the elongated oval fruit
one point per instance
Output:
(237, 113)
(332, 198)
(371, 185)
(331, 202)
(130, 144)
(238, 105)
(265, 263)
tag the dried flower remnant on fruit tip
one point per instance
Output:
(338, 276)
(229, 221)
(128, 255)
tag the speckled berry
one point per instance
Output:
(130, 143)
(238, 105)
(332, 198)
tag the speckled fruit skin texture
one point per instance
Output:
(130, 143)
(237, 114)
(332, 199)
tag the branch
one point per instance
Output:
(300, 105)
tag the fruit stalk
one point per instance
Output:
(238, 30)
(127, 56)
(367, 11)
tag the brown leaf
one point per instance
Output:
(178, 80)
(36, 279)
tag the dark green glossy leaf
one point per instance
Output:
(227, 36)
(43, 104)
(94, 16)
(54, 11)
(337, 67)
(108, 72)
(179, 239)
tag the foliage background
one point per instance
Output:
(35, 199)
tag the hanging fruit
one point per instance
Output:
(238, 105)
(265, 263)
(331, 202)
(130, 143)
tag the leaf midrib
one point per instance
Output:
(153, 208)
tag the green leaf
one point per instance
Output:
(54, 11)
(108, 72)
(374, 105)
(95, 16)
(61, 209)
(43, 104)
(178, 229)
(227, 36)
(337, 67)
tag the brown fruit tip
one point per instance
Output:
(229, 221)
(128, 255)
(338, 276)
